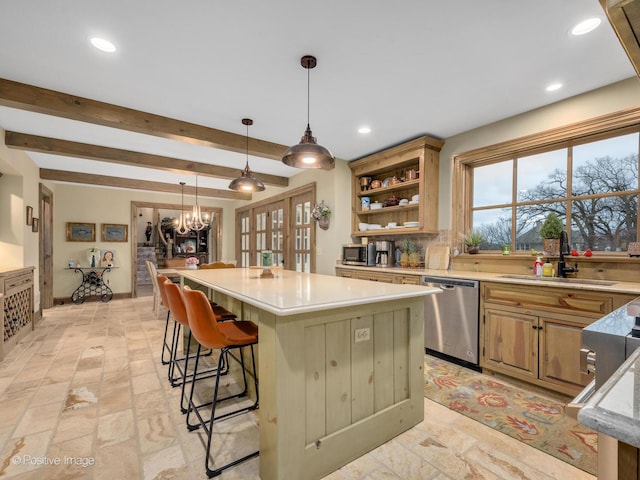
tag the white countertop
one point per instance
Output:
(290, 293)
(614, 409)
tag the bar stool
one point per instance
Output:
(166, 348)
(223, 336)
(177, 307)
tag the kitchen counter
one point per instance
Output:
(588, 284)
(614, 409)
(340, 363)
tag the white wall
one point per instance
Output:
(19, 186)
(611, 98)
(87, 204)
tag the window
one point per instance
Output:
(281, 224)
(590, 180)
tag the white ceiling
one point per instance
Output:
(404, 68)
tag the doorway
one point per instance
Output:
(160, 244)
(45, 241)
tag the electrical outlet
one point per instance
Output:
(362, 335)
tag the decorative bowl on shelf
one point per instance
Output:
(375, 206)
(374, 226)
(411, 224)
(375, 184)
(363, 227)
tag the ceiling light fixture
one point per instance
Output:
(246, 182)
(586, 26)
(196, 222)
(553, 87)
(308, 154)
(103, 44)
(181, 224)
(364, 130)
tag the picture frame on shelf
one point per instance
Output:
(115, 232)
(29, 216)
(81, 232)
(35, 224)
(108, 258)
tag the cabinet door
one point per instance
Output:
(560, 344)
(408, 279)
(344, 273)
(511, 342)
(375, 277)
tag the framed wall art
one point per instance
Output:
(29, 215)
(81, 232)
(114, 232)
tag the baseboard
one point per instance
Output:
(93, 298)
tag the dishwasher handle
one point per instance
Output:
(449, 283)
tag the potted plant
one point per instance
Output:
(407, 246)
(472, 240)
(320, 214)
(550, 232)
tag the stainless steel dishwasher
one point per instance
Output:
(451, 319)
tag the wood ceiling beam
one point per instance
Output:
(41, 100)
(54, 146)
(108, 181)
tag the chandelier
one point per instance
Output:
(181, 223)
(195, 221)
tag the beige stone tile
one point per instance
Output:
(156, 433)
(167, 463)
(145, 383)
(38, 419)
(403, 462)
(152, 403)
(115, 400)
(24, 453)
(140, 367)
(12, 411)
(59, 374)
(76, 423)
(119, 461)
(503, 465)
(74, 459)
(50, 393)
(80, 397)
(115, 428)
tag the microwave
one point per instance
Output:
(358, 254)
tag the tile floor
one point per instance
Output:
(85, 397)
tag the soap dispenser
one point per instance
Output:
(537, 267)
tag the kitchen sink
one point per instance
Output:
(583, 281)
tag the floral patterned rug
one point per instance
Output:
(530, 418)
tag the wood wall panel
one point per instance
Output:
(338, 395)
(362, 361)
(400, 355)
(383, 363)
(315, 382)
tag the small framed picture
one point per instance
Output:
(108, 258)
(30, 216)
(113, 232)
(81, 232)
(35, 224)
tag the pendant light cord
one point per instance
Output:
(308, 96)
(247, 145)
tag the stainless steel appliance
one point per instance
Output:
(609, 342)
(385, 254)
(451, 320)
(359, 254)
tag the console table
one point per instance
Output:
(16, 286)
(93, 284)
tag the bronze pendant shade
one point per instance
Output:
(308, 154)
(246, 182)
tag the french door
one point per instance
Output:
(281, 225)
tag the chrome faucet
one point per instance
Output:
(564, 250)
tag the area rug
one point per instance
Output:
(530, 418)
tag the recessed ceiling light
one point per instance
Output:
(553, 87)
(586, 26)
(364, 130)
(102, 44)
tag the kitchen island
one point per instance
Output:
(340, 363)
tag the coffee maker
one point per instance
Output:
(385, 256)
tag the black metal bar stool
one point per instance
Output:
(223, 336)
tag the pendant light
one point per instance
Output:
(246, 182)
(308, 154)
(181, 224)
(196, 222)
